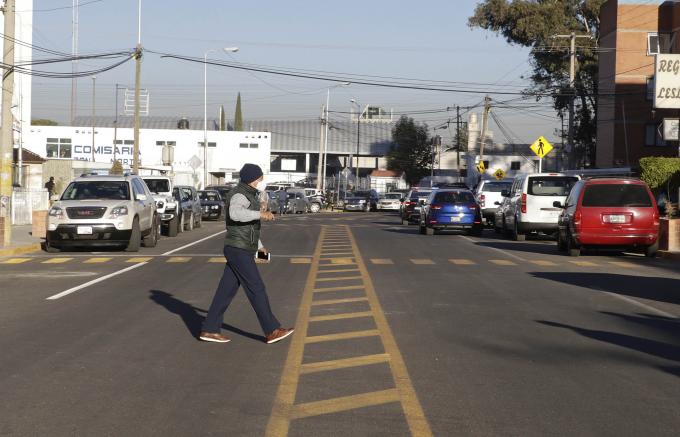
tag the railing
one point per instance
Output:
(25, 201)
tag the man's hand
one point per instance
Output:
(267, 216)
(263, 250)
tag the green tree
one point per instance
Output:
(533, 23)
(223, 120)
(43, 122)
(412, 151)
(238, 116)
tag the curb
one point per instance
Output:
(669, 255)
(20, 250)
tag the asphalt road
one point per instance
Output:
(396, 334)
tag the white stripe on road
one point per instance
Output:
(495, 248)
(94, 281)
(127, 269)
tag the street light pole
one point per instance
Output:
(94, 90)
(138, 78)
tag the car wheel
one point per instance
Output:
(199, 223)
(315, 207)
(152, 238)
(182, 225)
(190, 223)
(50, 248)
(516, 234)
(135, 237)
(173, 227)
(430, 231)
(572, 248)
(561, 246)
(650, 251)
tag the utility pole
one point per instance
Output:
(458, 141)
(138, 78)
(74, 63)
(7, 135)
(115, 129)
(321, 143)
(485, 126)
(358, 136)
(94, 90)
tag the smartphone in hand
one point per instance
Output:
(265, 257)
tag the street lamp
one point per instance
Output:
(94, 90)
(359, 113)
(205, 109)
(323, 155)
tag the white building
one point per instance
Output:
(226, 154)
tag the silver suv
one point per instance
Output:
(166, 204)
(103, 210)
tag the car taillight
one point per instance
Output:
(409, 203)
(656, 218)
(577, 218)
(482, 200)
(524, 203)
(436, 207)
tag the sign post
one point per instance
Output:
(541, 147)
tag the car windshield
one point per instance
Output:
(362, 194)
(551, 185)
(607, 195)
(496, 187)
(420, 195)
(454, 197)
(209, 195)
(158, 185)
(393, 196)
(291, 195)
(108, 190)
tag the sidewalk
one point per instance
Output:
(673, 255)
(22, 242)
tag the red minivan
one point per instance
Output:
(612, 213)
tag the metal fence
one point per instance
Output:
(25, 201)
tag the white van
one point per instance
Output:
(530, 203)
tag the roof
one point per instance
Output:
(386, 174)
(125, 121)
(27, 157)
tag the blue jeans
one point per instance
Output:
(240, 270)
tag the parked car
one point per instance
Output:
(297, 203)
(212, 205)
(365, 200)
(390, 202)
(410, 211)
(530, 206)
(316, 199)
(166, 206)
(222, 189)
(272, 201)
(451, 209)
(499, 216)
(612, 213)
(487, 194)
(192, 214)
(103, 210)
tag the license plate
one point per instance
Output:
(84, 230)
(455, 219)
(617, 219)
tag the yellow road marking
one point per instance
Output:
(338, 278)
(57, 260)
(98, 260)
(347, 287)
(462, 262)
(584, 263)
(364, 360)
(422, 262)
(337, 301)
(502, 262)
(15, 261)
(179, 259)
(217, 260)
(141, 259)
(381, 261)
(342, 316)
(340, 260)
(540, 262)
(342, 336)
(300, 261)
(332, 256)
(345, 403)
(338, 270)
(623, 264)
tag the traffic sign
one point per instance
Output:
(481, 167)
(541, 147)
(499, 174)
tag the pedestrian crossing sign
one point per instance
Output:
(481, 167)
(499, 174)
(541, 147)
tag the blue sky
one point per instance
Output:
(427, 40)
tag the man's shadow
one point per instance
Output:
(191, 315)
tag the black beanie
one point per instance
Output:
(250, 173)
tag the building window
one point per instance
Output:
(254, 146)
(243, 145)
(59, 148)
(167, 143)
(650, 88)
(659, 43)
(210, 144)
(126, 142)
(515, 165)
(652, 44)
(653, 136)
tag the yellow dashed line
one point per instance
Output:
(337, 301)
(381, 261)
(218, 260)
(345, 403)
(502, 262)
(584, 263)
(179, 259)
(348, 287)
(300, 260)
(339, 261)
(462, 262)
(343, 316)
(338, 270)
(343, 336)
(141, 259)
(364, 360)
(338, 278)
(15, 261)
(57, 261)
(422, 262)
(540, 262)
(97, 260)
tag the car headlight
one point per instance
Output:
(55, 211)
(362, 201)
(215, 207)
(160, 204)
(119, 211)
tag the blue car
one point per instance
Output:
(451, 209)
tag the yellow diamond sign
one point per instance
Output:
(499, 174)
(541, 147)
(481, 167)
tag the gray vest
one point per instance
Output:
(243, 235)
